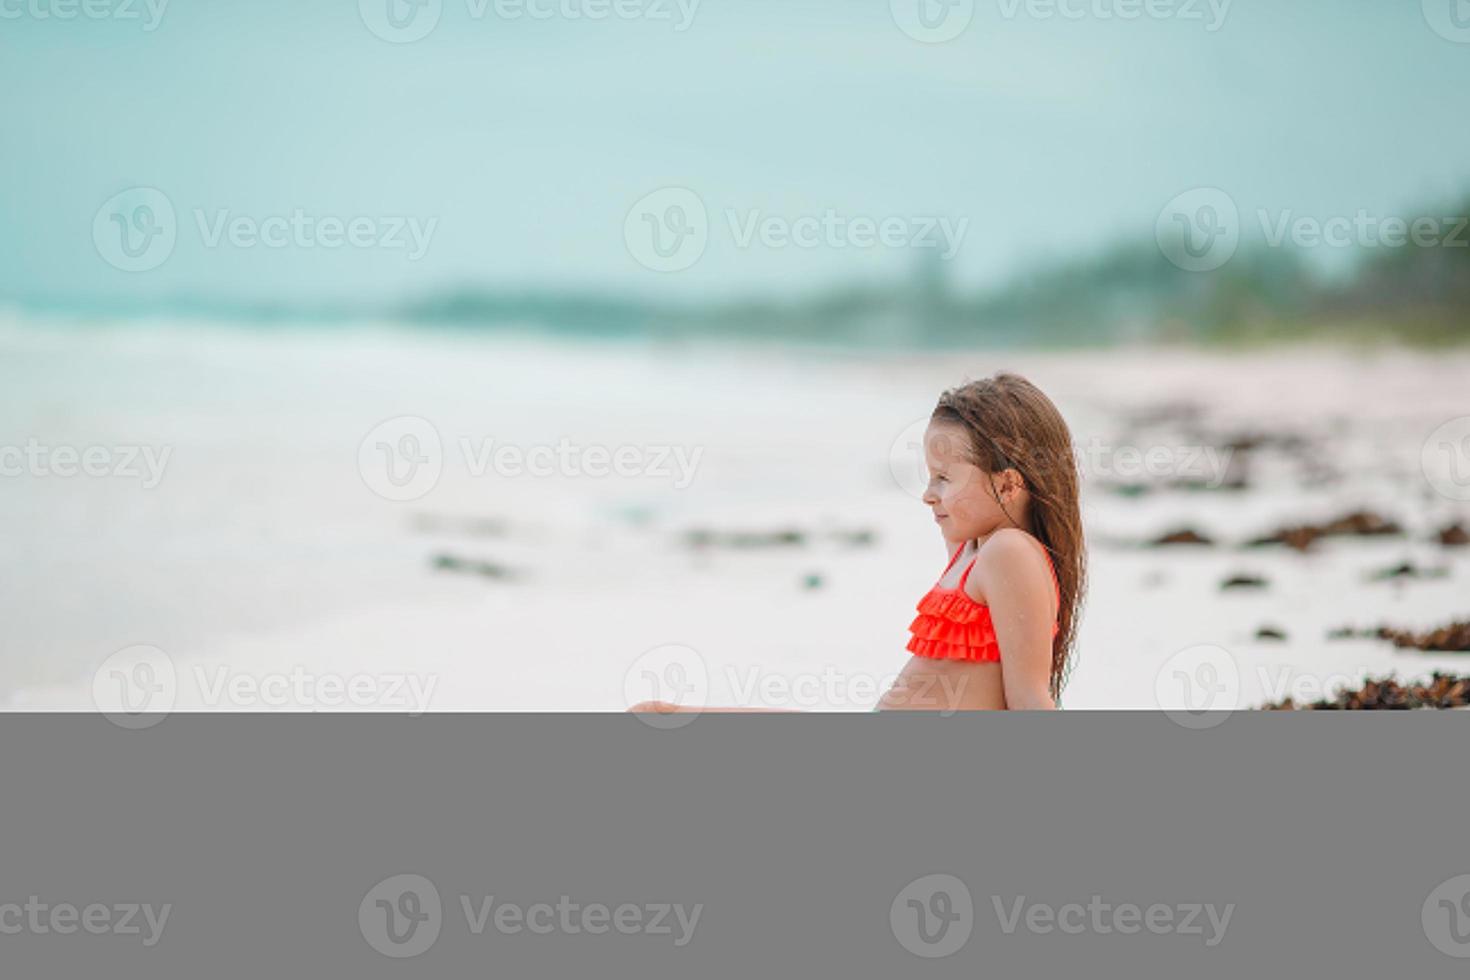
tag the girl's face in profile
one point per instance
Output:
(961, 494)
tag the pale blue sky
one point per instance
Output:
(529, 141)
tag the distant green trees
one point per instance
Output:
(1128, 292)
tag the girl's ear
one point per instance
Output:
(1011, 483)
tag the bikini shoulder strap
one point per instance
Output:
(952, 559)
(966, 574)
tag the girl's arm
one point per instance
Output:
(1015, 583)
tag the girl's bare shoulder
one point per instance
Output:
(1010, 555)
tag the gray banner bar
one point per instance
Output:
(736, 846)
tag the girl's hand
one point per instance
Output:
(656, 708)
(665, 708)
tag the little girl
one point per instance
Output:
(997, 629)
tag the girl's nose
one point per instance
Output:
(930, 497)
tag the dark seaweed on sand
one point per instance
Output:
(1405, 570)
(1453, 535)
(1453, 638)
(473, 566)
(1387, 694)
(703, 538)
(1359, 523)
(1186, 535)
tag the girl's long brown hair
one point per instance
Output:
(1013, 425)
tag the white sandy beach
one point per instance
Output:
(272, 576)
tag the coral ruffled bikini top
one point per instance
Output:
(953, 626)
